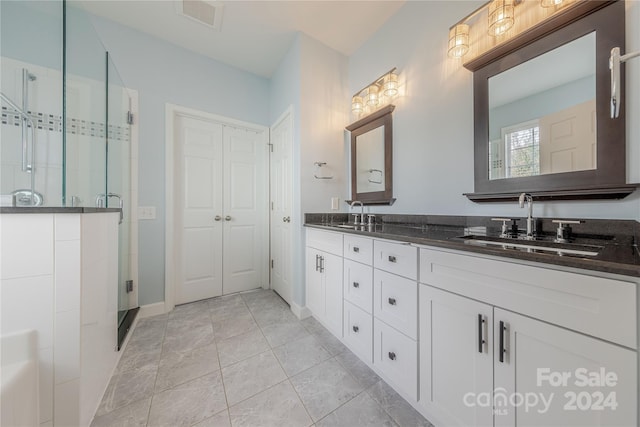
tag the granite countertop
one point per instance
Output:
(54, 210)
(619, 253)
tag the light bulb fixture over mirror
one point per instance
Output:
(501, 16)
(458, 40)
(376, 95)
(555, 3)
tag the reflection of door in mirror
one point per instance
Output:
(370, 164)
(542, 113)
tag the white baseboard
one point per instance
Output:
(151, 310)
(300, 312)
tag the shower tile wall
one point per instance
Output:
(45, 106)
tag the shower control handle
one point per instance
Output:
(217, 218)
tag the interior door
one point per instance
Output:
(200, 242)
(281, 193)
(568, 139)
(245, 210)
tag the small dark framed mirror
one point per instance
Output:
(542, 111)
(371, 158)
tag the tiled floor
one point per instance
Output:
(245, 360)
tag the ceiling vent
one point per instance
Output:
(206, 12)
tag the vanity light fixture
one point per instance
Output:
(501, 16)
(372, 95)
(378, 94)
(356, 105)
(458, 40)
(555, 3)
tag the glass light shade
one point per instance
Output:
(356, 105)
(459, 40)
(500, 16)
(555, 3)
(372, 96)
(390, 85)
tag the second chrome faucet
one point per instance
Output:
(531, 231)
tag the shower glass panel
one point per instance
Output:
(86, 111)
(119, 185)
(31, 153)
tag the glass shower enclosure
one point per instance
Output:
(65, 137)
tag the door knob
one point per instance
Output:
(217, 218)
(227, 218)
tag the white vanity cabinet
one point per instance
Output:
(395, 310)
(483, 364)
(324, 278)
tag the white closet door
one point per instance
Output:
(201, 176)
(281, 193)
(245, 210)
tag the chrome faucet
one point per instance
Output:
(361, 212)
(530, 226)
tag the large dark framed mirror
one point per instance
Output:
(371, 158)
(542, 120)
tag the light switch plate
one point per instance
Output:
(334, 203)
(146, 212)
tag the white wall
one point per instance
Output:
(312, 79)
(433, 122)
(164, 73)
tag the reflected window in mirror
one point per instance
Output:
(542, 113)
(371, 161)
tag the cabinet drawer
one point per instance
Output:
(358, 331)
(395, 300)
(358, 249)
(358, 285)
(326, 241)
(396, 258)
(597, 306)
(396, 356)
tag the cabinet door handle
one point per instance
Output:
(481, 340)
(356, 284)
(392, 355)
(321, 264)
(227, 218)
(502, 349)
(392, 258)
(355, 329)
(392, 301)
(356, 249)
(217, 218)
(317, 263)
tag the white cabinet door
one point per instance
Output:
(314, 294)
(395, 301)
(331, 268)
(358, 284)
(358, 331)
(324, 288)
(456, 358)
(395, 355)
(542, 361)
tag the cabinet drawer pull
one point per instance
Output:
(356, 249)
(392, 258)
(355, 329)
(392, 355)
(502, 349)
(392, 301)
(481, 340)
(356, 284)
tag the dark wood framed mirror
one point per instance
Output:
(501, 84)
(371, 158)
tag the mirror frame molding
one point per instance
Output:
(379, 118)
(608, 180)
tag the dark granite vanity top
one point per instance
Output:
(613, 241)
